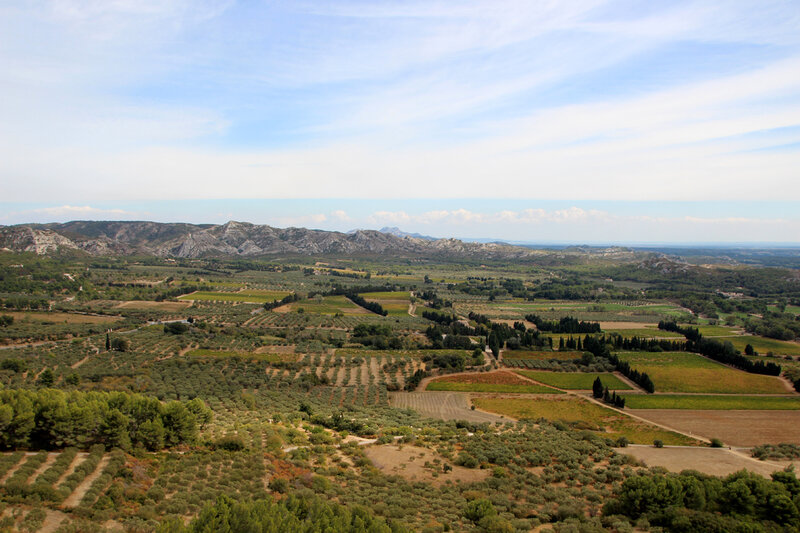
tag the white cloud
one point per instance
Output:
(591, 225)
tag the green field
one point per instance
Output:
(541, 355)
(583, 414)
(397, 295)
(395, 303)
(713, 331)
(329, 305)
(490, 387)
(685, 401)
(763, 345)
(575, 380)
(258, 297)
(643, 332)
(688, 372)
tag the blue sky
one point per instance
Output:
(587, 121)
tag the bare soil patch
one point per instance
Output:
(409, 463)
(712, 461)
(734, 428)
(158, 306)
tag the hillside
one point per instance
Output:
(230, 239)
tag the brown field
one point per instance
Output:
(70, 318)
(734, 428)
(409, 462)
(172, 307)
(442, 405)
(712, 461)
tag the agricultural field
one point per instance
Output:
(487, 382)
(325, 401)
(327, 305)
(763, 345)
(395, 303)
(515, 355)
(711, 402)
(688, 372)
(733, 427)
(245, 296)
(575, 380)
(581, 414)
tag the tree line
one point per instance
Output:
(722, 352)
(565, 324)
(52, 418)
(692, 501)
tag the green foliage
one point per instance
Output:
(694, 499)
(295, 513)
(51, 418)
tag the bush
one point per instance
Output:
(658, 443)
(716, 443)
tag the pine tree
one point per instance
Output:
(597, 388)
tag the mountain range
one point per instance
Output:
(232, 239)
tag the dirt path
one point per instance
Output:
(412, 309)
(51, 458)
(14, 469)
(79, 458)
(52, 520)
(80, 491)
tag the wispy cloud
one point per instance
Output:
(206, 99)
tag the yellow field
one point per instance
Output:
(581, 413)
(688, 372)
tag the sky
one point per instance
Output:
(539, 121)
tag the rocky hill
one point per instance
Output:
(230, 239)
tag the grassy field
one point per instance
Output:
(251, 296)
(683, 401)
(764, 345)
(528, 388)
(688, 372)
(395, 303)
(642, 332)
(575, 380)
(541, 356)
(713, 331)
(397, 295)
(582, 414)
(329, 305)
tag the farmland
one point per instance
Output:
(487, 382)
(705, 402)
(580, 414)
(687, 372)
(410, 416)
(575, 380)
(252, 296)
